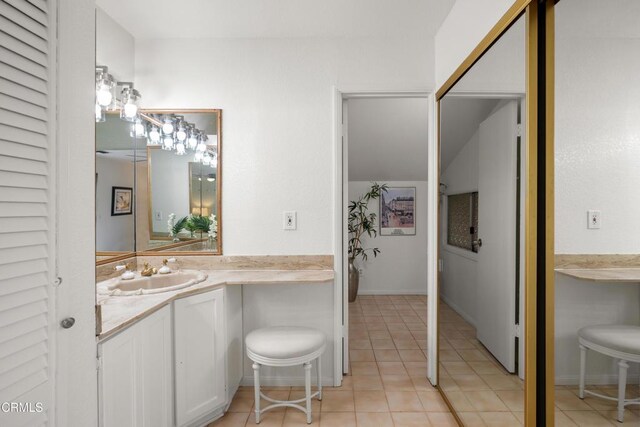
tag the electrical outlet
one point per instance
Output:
(594, 219)
(361, 271)
(289, 220)
(157, 216)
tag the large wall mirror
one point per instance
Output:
(481, 236)
(158, 186)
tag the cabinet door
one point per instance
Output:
(118, 380)
(200, 355)
(136, 375)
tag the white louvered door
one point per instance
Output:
(27, 239)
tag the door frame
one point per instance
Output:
(341, 182)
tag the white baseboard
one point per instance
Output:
(392, 292)
(285, 381)
(598, 379)
(458, 310)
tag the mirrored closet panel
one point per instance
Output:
(597, 232)
(481, 282)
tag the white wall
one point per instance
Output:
(169, 187)
(465, 26)
(277, 102)
(596, 167)
(114, 47)
(113, 233)
(459, 276)
(401, 266)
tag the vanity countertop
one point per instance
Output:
(615, 275)
(118, 312)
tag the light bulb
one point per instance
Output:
(180, 148)
(192, 142)
(100, 115)
(104, 96)
(130, 110)
(197, 157)
(154, 135)
(206, 159)
(167, 142)
(167, 127)
(211, 179)
(199, 179)
(201, 147)
(181, 134)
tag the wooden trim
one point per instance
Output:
(172, 245)
(114, 258)
(531, 206)
(494, 34)
(549, 109)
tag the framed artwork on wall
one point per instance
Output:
(121, 201)
(397, 212)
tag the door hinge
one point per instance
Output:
(519, 129)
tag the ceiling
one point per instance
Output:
(277, 18)
(461, 117)
(387, 139)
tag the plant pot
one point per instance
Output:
(354, 281)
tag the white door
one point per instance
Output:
(200, 355)
(26, 220)
(497, 224)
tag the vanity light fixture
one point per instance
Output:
(167, 142)
(167, 127)
(192, 141)
(138, 129)
(101, 115)
(180, 149)
(206, 159)
(105, 84)
(181, 133)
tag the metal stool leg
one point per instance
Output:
(256, 387)
(622, 387)
(319, 378)
(307, 389)
(583, 369)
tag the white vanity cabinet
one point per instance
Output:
(136, 374)
(200, 347)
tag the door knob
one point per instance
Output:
(478, 243)
(67, 322)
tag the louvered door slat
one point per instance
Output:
(17, 225)
(27, 80)
(23, 49)
(22, 107)
(26, 334)
(26, 282)
(22, 136)
(20, 209)
(23, 122)
(22, 151)
(22, 92)
(26, 223)
(30, 10)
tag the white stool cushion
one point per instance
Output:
(284, 342)
(623, 338)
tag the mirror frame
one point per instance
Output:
(539, 202)
(165, 251)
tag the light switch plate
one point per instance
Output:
(594, 219)
(157, 215)
(289, 220)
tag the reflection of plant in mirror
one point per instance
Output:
(197, 223)
(213, 227)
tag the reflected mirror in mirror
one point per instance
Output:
(182, 194)
(481, 352)
(597, 153)
(115, 175)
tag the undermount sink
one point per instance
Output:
(157, 283)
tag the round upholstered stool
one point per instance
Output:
(286, 346)
(621, 342)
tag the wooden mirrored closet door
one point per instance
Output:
(496, 192)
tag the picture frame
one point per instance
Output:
(121, 201)
(397, 214)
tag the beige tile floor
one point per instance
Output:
(387, 385)
(484, 394)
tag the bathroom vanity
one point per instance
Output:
(176, 357)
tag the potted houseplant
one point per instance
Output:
(361, 222)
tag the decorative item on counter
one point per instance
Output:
(165, 268)
(197, 223)
(128, 274)
(361, 221)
